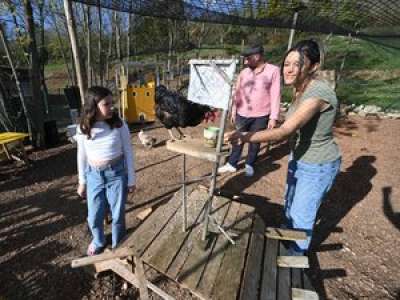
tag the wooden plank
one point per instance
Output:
(195, 148)
(144, 213)
(102, 266)
(293, 262)
(253, 269)
(143, 236)
(270, 270)
(300, 294)
(122, 270)
(89, 260)
(192, 270)
(284, 279)
(285, 234)
(210, 274)
(296, 278)
(139, 271)
(307, 285)
(163, 251)
(176, 265)
(234, 258)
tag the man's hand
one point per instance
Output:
(271, 123)
(233, 119)
(131, 189)
(81, 190)
(234, 137)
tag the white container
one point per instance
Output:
(210, 136)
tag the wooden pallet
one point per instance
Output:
(270, 273)
(214, 269)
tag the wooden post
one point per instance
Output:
(75, 50)
(339, 75)
(292, 30)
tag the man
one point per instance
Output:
(256, 104)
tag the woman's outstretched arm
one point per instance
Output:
(298, 119)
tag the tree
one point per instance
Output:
(35, 105)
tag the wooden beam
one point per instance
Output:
(285, 234)
(228, 280)
(283, 278)
(300, 294)
(254, 267)
(270, 270)
(90, 260)
(222, 244)
(139, 270)
(122, 270)
(293, 262)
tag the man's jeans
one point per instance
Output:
(108, 184)
(244, 124)
(306, 186)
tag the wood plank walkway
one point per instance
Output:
(214, 269)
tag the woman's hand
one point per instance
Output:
(81, 190)
(131, 189)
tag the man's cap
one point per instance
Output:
(254, 49)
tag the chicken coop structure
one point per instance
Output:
(137, 82)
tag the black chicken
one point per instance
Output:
(175, 111)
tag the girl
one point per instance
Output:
(105, 166)
(315, 157)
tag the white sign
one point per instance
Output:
(207, 85)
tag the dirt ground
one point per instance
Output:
(356, 242)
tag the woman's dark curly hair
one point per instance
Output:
(93, 96)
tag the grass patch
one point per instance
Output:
(383, 93)
(360, 55)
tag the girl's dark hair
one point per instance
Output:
(93, 96)
(306, 48)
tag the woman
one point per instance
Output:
(315, 157)
(105, 166)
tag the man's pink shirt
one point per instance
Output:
(258, 93)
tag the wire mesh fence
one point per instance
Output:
(377, 21)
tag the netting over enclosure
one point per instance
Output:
(377, 20)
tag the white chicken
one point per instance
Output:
(146, 140)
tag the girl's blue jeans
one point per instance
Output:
(307, 185)
(106, 185)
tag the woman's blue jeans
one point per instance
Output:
(106, 185)
(307, 185)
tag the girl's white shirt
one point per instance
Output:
(105, 145)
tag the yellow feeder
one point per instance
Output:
(138, 99)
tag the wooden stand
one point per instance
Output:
(198, 149)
